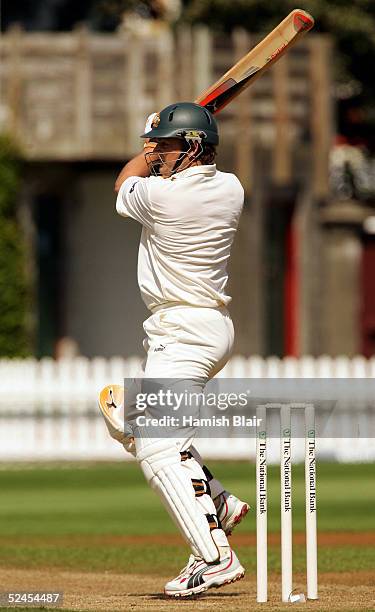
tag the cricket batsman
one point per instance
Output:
(189, 212)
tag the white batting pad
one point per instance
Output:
(161, 464)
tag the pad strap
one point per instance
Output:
(185, 455)
(213, 521)
(201, 487)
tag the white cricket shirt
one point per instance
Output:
(189, 222)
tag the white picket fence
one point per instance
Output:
(48, 409)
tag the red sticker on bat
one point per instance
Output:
(217, 92)
(302, 22)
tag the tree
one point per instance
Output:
(14, 294)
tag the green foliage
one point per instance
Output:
(14, 295)
(350, 22)
(10, 160)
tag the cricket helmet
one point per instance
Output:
(185, 120)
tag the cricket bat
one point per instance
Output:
(254, 63)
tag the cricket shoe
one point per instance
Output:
(198, 576)
(230, 511)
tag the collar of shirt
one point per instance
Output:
(208, 170)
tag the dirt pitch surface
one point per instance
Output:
(109, 591)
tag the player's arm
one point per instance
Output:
(135, 167)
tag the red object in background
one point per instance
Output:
(291, 319)
(368, 297)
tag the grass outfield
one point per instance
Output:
(95, 516)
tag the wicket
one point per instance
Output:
(286, 501)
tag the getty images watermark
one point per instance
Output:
(184, 400)
(166, 397)
(228, 407)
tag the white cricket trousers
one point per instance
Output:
(186, 343)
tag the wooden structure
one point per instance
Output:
(85, 96)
